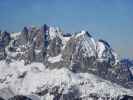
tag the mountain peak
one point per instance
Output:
(46, 36)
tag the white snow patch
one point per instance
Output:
(55, 59)
(80, 34)
(64, 41)
(100, 49)
(116, 57)
(37, 51)
(15, 35)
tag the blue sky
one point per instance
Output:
(111, 20)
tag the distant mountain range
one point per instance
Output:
(127, 62)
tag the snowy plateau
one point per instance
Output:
(44, 63)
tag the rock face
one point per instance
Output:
(55, 47)
(126, 97)
(4, 41)
(78, 52)
(24, 36)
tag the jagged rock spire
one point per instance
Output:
(24, 36)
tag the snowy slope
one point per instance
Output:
(34, 78)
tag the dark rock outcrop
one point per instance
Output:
(4, 41)
(1, 98)
(20, 97)
(126, 97)
(24, 36)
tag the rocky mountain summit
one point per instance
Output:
(40, 44)
(73, 58)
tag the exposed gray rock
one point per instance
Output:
(76, 55)
(29, 54)
(24, 36)
(72, 94)
(2, 54)
(34, 97)
(32, 32)
(55, 47)
(4, 41)
(68, 52)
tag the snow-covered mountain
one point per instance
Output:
(51, 65)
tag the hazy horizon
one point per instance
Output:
(111, 20)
